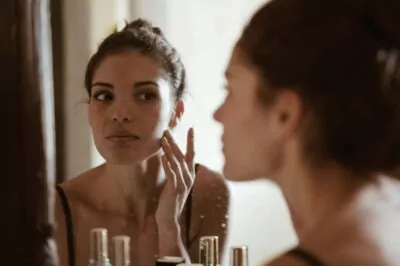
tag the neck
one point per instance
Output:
(314, 195)
(137, 179)
(132, 189)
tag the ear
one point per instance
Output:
(177, 114)
(288, 112)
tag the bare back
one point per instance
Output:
(366, 232)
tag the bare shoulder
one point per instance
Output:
(68, 203)
(297, 256)
(75, 195)
(75, 191)
(78, 188)
(286, 260)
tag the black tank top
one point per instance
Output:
(70, 227)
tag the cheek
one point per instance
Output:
(238, 116)
(244, 151)
(241, 128)
(94, 116)
(269, 147)
(250, 132)
(155, 118)
(251, 142)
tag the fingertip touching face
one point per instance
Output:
(131, 105)
(256, 136)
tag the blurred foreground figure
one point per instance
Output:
(314, 104)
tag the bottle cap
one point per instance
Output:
(121, 248)
(209, 255)
(169, 261)
(239, 256)
(98, 245)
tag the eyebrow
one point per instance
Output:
(103, 84)
(145, 83)
(135, 85)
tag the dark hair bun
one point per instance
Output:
(139, 24)
(380, 19)
(143, 25)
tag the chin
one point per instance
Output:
(241, 169)
(238, 174)
(122, 161)
(122, 158)
(128, 157)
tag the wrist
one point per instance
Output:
(168, 229)
(170, 242)
(168, 238)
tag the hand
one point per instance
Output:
(180, 174)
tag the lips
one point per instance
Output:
(122, 136)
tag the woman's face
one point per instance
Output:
(131, 105)
(256, 136)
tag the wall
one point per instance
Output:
(204, 32)
(85, 24)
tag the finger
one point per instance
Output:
(175, 148)
(189, 157)
(176, 158)
(170, 156)
(168, 171)
(174, 165)
(183, 170)
(187, 176)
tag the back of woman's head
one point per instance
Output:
(141, 36)
(342, 57)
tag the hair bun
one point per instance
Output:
(380, 18)
(139, 24)
(143, 25)
(157, 30)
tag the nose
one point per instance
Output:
(121, 112)
(217, 114)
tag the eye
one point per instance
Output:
(103, 96)
(147, 96)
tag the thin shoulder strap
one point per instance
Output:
(305, 256)
(189, 203)
(69, 225)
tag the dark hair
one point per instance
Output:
(342, 57)
(141, 36)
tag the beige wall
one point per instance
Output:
(204, 32)
(77, 33)
(85, 24)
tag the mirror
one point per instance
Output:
(204, 33)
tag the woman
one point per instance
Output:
(135, 83)
(314, 105)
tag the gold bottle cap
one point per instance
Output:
(209, 254)
(121, 248)
(98, 245)
(169, 261)
(239, 256)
